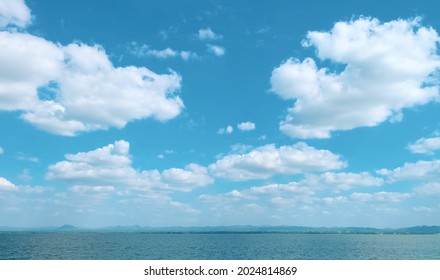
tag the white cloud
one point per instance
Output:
(341, 181)
(388, 67)
(266, 161)
(92, 189)
(240, 148)
(192, 176)
(217, 50)
(425, 146)
(429, 189)
(14, 12)
(86, 92)
(421, 170)
(246, 126)
(145, 50)
(379, 197)
(208, 34)
(25, 175)
(225, 130)
(305, 190)
(27, 62)
(1, 150)
(111, 166)
(22, 157)
(423, 209)
(334, 200)
(5, 185)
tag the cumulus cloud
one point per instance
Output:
(111, 166)
(15, 13)
(425, 146)
(387, 67)
(420, 170)
(217, 50)
(70, 89)
(246, 126)
(208, 34)
(266, 161)
(193, 175)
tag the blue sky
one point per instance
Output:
(195, 113)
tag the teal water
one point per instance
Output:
(132, 246)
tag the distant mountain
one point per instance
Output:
(421, 229)
(238, 229)
(66, 228)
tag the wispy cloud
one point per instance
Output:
(225, 130)
(146, 51)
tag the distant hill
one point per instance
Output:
(421, 229)
(238, 229)
(66, 228)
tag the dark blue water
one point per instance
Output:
(132, 246)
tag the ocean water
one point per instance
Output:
(189, 246)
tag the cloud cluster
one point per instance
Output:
(208, 35)
(266, 161)
(387, 67)
(380, 197)
(111, 166)
(243, 126)
(69, 89)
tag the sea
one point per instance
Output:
(216, 246)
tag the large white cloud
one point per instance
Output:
(266, 161)
(387, 67)
(14, 12)
(68, 89)
(111, 166)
